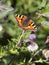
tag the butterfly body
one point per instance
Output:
(25, 22)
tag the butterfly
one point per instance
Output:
(25, 22)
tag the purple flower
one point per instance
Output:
(47, 40)
(20, 44)
(32, 47)
(32, 36)
(28, 43)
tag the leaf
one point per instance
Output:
(43, 4)
(45, 24)
(40, 60)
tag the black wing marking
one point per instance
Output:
(25, 23)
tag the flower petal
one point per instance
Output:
(32, 36)
(32, 47)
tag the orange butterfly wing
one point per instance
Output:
(20, 19)
(31, 26)
(25, 23)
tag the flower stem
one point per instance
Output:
(21, 36)
(34, 55)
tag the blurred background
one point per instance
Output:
(10, 32)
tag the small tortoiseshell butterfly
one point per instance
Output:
(25, 22)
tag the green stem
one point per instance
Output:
(36, 53)
(21, 36)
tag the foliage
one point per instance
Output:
(10, 32)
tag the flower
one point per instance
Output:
(20, 44)
(32, 36)
(1, 28)
(47, 40)
(45, 53)
(32, 47)
(27, 41)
